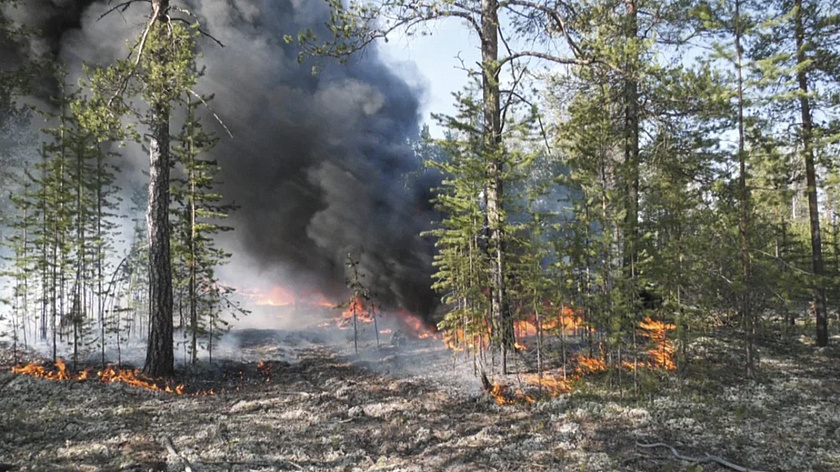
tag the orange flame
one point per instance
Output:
(355, 307)
(108, 375)
(555, 383)
(662, 355)
(503, 396)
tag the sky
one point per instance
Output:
(431, 63)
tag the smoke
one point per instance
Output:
(321, 166)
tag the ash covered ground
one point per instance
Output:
(287, 400)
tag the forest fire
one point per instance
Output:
(662, 355)
(366, 313)
(566, 320)
(109, 374)
(280, 296)
(558, 381)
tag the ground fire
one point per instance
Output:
(109, 374)
(559, 381)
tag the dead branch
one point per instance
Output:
(215, 115)
(122, 7)
(124, 83)
(698, 460)
(167, 442)
(201, 31)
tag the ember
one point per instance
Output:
(264, 368)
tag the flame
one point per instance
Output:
(108, 375)
(503, 396)
(278, 296)
(590, 365)
(456, 340)
(565, 319)
(356, 308)
(414, 325)
(662, 355)
(408, 322)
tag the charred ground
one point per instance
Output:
(312, 406)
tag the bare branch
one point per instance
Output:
(215, 115)
(697, 460)
(553, 14)
(543, 132)
(124, 83)
(197, 23)
(548, 57)
(122, 7)
(511, 96)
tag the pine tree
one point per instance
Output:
(197, 219)
(161, 70)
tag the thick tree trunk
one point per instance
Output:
(811, 180)
(495, 185)
(160, 357)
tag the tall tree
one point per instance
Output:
(161, 68)
(807, 149)
(356, 26)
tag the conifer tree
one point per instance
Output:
(197, 219)
(161, 69)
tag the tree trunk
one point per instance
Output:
(160, 356)
(811, 180)
(193, 263)
(631, 146)
(746, 314)
(495, 185)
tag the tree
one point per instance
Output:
(358, 25)
(197, 219)
(161, 69)
(799, 48)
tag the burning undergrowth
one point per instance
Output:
(560, 334)
(226, 377)
(326, 413)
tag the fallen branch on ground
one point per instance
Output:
(170, 446)
(698, 460)
(254, 463)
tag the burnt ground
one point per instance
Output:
(313, 406)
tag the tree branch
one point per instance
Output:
(216, 116)
(547, 57)
(124, 83)
(697, 460)
(122, 7)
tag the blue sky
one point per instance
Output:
(431, 63)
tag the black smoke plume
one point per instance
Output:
(320, 165)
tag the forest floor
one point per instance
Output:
(311, 406)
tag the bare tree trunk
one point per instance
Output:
(495, 184)
(631, 147)
(747, 319)
(811, 180)
(160, 357)
(193, 282)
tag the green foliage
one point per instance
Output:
(197, 216)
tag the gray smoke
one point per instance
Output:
(320, 165)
